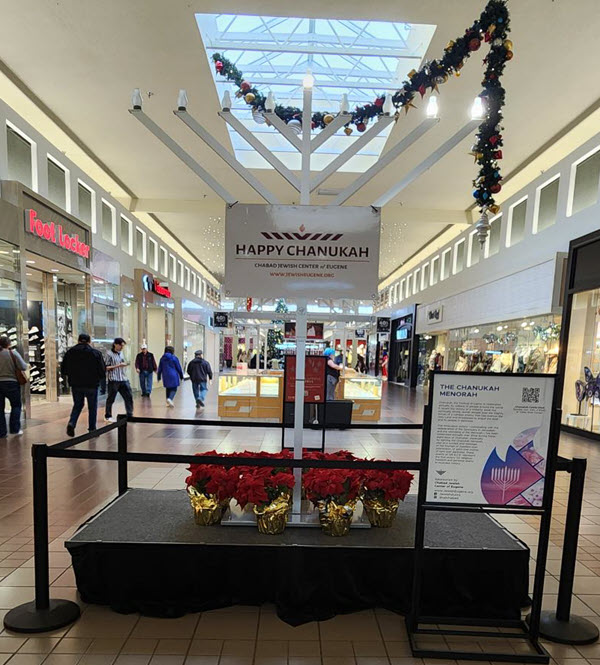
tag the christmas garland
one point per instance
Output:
(492, 27)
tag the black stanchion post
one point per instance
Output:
(42, 614)
(560, 625)
(122, 450)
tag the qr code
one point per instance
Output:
(531, 395)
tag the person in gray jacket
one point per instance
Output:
(10, 361)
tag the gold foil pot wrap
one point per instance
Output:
(381, 512)
(336, 519)
(208, 510)
(271, 519)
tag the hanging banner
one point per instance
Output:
(489, 439)
(302, 251)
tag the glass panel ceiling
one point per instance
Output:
(359, 58)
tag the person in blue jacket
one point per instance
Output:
(169, 370)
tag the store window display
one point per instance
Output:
(581, 397)
(432, 353)
(523, 346)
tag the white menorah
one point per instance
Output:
(505, 477)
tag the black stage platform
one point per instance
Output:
(144, 553)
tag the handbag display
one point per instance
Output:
(20, 374)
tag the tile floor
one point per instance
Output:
(238, 635)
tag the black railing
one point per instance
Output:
(44, 614)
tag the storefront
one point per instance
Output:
(580, 339)
(45, 269)
(403, 363)
(156, 313)
(522, 346)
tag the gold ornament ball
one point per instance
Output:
(508, 44)
(412, 73)
(347, 131)
(450, 44)
(250, 97)
(479, 155)
(494, 209)
(327, 118)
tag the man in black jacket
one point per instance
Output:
(200, 374)
(84, 367)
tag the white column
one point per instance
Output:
(306, 134)
(299, 403)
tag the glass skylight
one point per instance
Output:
(360, 58)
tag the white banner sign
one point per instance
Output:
(301, 251)
(489, 439)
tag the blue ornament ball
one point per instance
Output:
(485, 196)
(476, 194)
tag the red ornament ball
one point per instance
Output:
(474, 44)
(360, 126)
(245, 86)
(218, 65)
(497, 154)
(495, 188)
(379, 101)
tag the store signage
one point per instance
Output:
(152, 284)
(434, 314)
(296, 251)
(383, 324)
(404, 327)
(221, 320)
(489, 439)
(55, 233)
(314, 379)
(359, 333)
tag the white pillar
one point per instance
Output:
(299, 403)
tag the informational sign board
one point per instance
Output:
(489, 439)
(314, 379)
(302, 251)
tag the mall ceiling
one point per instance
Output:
(81, 59)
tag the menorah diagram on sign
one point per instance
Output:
(504, 478)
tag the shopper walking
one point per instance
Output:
(169, 370)
(145, 366)
(11, 367)
(117, 380)
(200, 373)
(84, 367)
(333, 373)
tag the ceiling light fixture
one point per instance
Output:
(29, 261)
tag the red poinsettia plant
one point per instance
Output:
(213, 479)
(262, 485)
(386, 485)
(338, 485)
